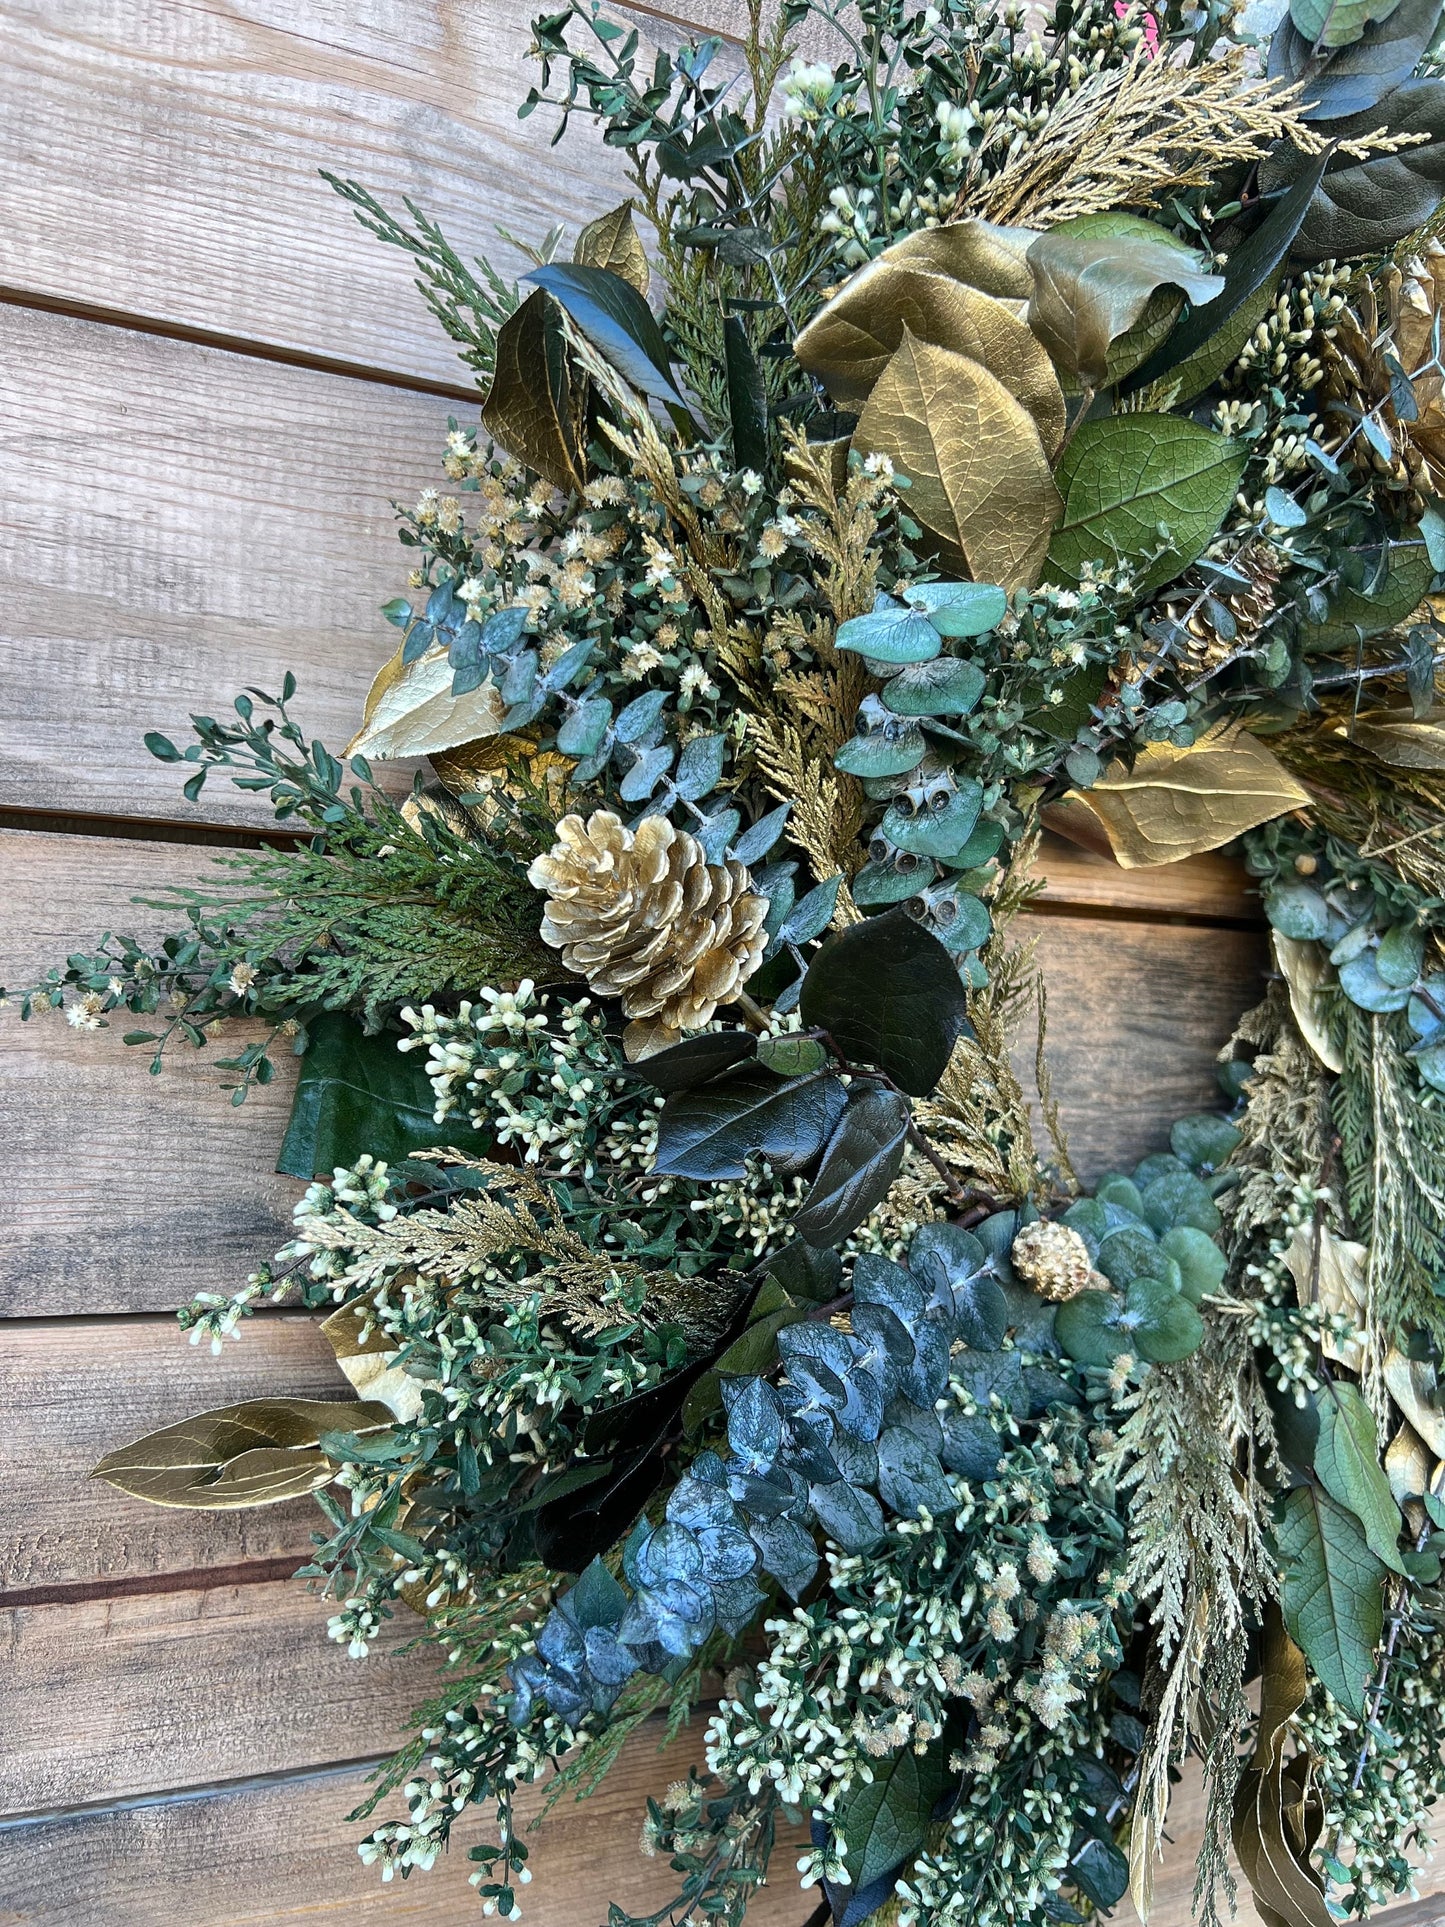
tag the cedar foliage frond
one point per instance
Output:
(462, 1246)
(1125, 136)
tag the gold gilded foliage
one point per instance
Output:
(1276, 1821)
(257, 1453)
(980, 479)
(937, 294)
(1178, 802)
(612, 242)
(532, 408)
(1122, 137)
(410, 710)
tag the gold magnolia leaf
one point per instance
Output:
(530, 407)
(850, 342)
(983, 254)
(1409, 1467)
(1308, 973)
(1402, 739)
(1178, 802)
(256, 1453)
(611, 241)
(978, 475)
(1271, 1851)
(1330, 1272)
(364, 1352)
(1412, 1383)
(1094, 278)
(410, 710)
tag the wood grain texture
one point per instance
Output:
(274, 1855)
(72, 1392)
(109, 1698)
(177, 523)
(161, 160)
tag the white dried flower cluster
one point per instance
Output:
(903, 1642)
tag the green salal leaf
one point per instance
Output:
(358, 1093)
(1348, 1463)
(256, 1453)
(1136, 484)
(889, 995)
(862, 1159)
(747, 397)
(1331, 1592)
(1339, 81)
(1337, 23)
(885, 1821)
(1364, 207)
(1094, 278)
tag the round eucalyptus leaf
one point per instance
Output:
(939, 827)
(1117, 1189)
(891, 636)
(1363, 985)
(884, 752)
(1180, 1198)
(1088, 1328)
(1163, 1326)
(1298, 910)
(960, 608)
(1128, 1254)
(945, 687)
(1200, 1261)
(1400, 955)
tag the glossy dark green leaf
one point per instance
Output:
(888, 994)
(695, 1059)
(747, 397)
(1348, 80)
(1364, 207)
(1331, 1592)
(885, 1821)
(1252, 266)
(710, 1132)
(358, 1094)
(616, 320)
(861, 1161)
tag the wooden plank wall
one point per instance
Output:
(214, 384)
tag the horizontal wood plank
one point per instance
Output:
(72, 1392)
(162, 162)
(176, 524)
(289, 1855)
(109, 1698)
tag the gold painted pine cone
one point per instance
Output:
(644, 917)
(1054, 1259)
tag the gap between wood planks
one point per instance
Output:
(179, 1796)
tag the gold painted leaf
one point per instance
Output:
(1094, 277)
(1402, 739)
(531, 407)
(364, 1352)
(1273, 1811)
(611, 241)
(1412, 1383)
(252, 1454)
(411, 711)
(1330, 1271)
(849, 342)
(1308, 972)
(980, 479)
(1409, 1466)
(1178, 802)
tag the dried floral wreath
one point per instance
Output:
(1042, 422)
